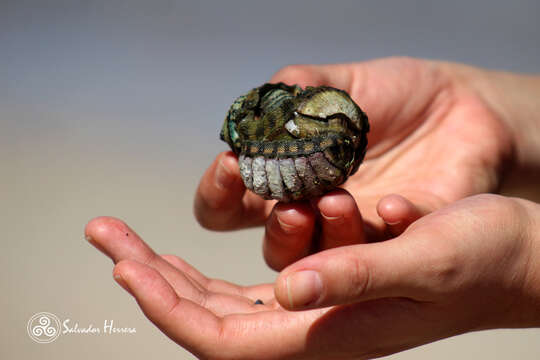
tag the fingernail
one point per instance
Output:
(334, 219)
(304, 288)
(120, 280)
(223, 177)
(392, 223)
(287, 228)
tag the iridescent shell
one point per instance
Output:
(295, 144)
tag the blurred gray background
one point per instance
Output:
(114, 108)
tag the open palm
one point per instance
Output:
(431, 282)
(215, 319)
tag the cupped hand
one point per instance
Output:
(434, 139)
(465, 267)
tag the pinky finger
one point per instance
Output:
(177, 317)
(398, 213)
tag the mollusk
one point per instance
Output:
(295, 144)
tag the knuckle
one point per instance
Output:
(357, 278)
(443, 272)
(150, 259)
(361, 279)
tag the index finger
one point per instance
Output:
(222, 202)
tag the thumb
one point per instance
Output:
(353, 273)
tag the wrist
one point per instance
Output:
(514, 97)
(526, 311)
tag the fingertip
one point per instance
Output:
(397, 212)
(227, 173)
(118, 274)
(288, 234)
(300, 290)
(98, 225)
(299, 74)
(341, 221)
(100, 230)
(230, 157)
(123, 269)
(350, 274)
(335, 204)
(293, 217)
(218, 199)
(395, 208)
(336, 75)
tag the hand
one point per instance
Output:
(472, 265)
(434, 140)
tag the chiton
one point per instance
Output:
(294, 143)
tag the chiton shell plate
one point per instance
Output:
(294, 143)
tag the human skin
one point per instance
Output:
(469, 266)
(440, 132)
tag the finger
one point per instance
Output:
(264, 292)
(392, 91)
(288, 235)
(118, 241)
(186, 268)
(178, 317)
(335, 75)
(398, 213)
(252, 336)
(341, 222)
(353, 273)
(221, 201)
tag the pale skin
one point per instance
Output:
(448, 266)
